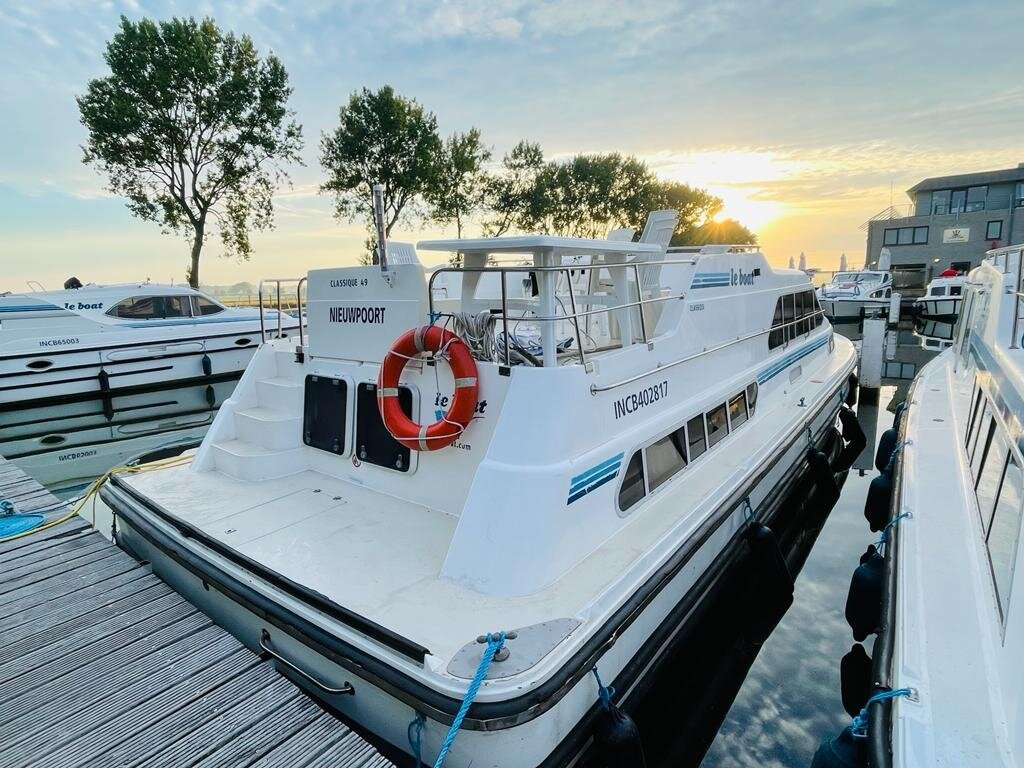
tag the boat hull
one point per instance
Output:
(89, 369)
(839, 311)
(549, 724)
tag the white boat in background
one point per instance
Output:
(942, 298)
(597, 459)
(850, 296)
(81, 342)
(952, 624)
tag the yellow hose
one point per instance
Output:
(92, 492)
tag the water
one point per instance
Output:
(65, 447)
(790, 699)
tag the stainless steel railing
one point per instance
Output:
(574, 315)
(276, 282)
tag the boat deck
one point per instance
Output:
(104, 664)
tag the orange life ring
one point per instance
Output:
(427, 437)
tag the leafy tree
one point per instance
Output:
(695, 206)
(381, 138)
(461, 185)
(724, 231)
(516, 197)
(192, 126)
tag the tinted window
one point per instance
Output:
(939, 291)
(738, 410)
(717, 425)
(800, 328)
(788, 315)
(955, 290)
(697, 441)
(632, 489)
(141, 308)
(991, 474)
(177, 306)
(666, 457)
(751, 397)
(976, 198)
(203, 306)
(979, 443)
(776, 338)
(1003, 534)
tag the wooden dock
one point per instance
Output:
(102, 664)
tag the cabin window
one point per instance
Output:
(751, 397)
(632, 488)
(788, 316)
(981, 452)
(140, 308)
(1004, 532)
(777, 335)
(666, 457)
(990, 475)
(202, 306)
(798, 329)
(697, 439)
(151, 308)
(974, 415)
(737, 410)
(939, 290)
(955, 290)
(974, 450)
(718, 425)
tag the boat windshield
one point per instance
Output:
(856, 277)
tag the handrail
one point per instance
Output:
(298, 302)
(594, 388)
(567, 269)
(276, 281)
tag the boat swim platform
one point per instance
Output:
(101, 663)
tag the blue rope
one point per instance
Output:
(6, 507)
(748, 510)
(494, 642)
(892, 457)
(605, 693)
(884, 538)
(859, 727)
(415, 735)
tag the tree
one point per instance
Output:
(461, 182)
(381, 138)
(724, 231)
(516, 196)
(695, 206)
(192, 126)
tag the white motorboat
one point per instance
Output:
(948, 691)
(942, 297)
(601, 450)
(850, 296)
(81, 342)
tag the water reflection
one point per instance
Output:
(66, 446)
(792, 697)
(933, 334)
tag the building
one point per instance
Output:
(950, 222)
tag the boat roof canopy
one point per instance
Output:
(540, 244)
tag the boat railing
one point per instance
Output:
(276, 303)
(1001, 258)
(716, 248)
(575, 315)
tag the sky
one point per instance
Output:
(806, 118)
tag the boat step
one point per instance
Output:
(247, 461)
(281, 393)
(268, 428)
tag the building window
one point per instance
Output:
(906, 236)
(994, 230)
(1018, 195)
(976, 198)
(940, 201)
